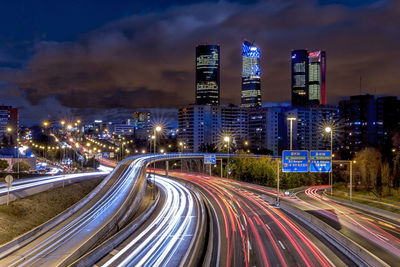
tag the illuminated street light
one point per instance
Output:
(291, 119)
(69, 126)
(330, 130)
(45, 123)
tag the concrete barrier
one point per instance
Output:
(366, 208)
(24, 239)
(107, 246)
(195, 251)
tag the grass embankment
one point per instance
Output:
(25, 214)
(389, 203)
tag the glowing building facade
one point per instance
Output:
(299, 77)
(316, 77)
(208, 75)
(308, 78)
(251, 76)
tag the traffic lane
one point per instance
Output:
(160, 205)
(51, 247)
(383, 226)
(165, 238)
(263, 245)
(230, 252)
(355, 226)
(282, 237)
(331, 252)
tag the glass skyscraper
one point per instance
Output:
(207, 75)
(251, 75)
(299, 77)
(316, 77)
(308, 78)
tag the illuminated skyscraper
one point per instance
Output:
(299, 77)
(207, 75)
(308, 77)
(316, 77)
(251, 75)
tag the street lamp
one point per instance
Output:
(291, 119)
(180, 152)
(156, 130)
(330, 130)
(226, 139)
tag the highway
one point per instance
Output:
(23, 184)
(165, 239)
(253, 232)
(106, 210)
(63, 243)
(378, 235)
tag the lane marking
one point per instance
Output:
(280, 243)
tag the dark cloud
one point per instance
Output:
(148, 60)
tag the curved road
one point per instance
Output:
(254, 233)
(165, 239)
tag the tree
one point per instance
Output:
(23, 166)
(3, 164)
(369, 161)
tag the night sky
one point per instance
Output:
(79, 58)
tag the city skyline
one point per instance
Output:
(112, 63)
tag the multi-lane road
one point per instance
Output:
(378, 235)
(168, 237)
(196, 217)
(252, 232)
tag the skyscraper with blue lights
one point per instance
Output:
(251, 75)
(207, 75)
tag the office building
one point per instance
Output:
(265, 130)
(387, 121)
(308, 130)
(251, 76)
(199, 125)
(308, 78)
(207, 75)
(368, 122)
(234, 122)
(299, 69)
(141, 120)
(316, 77)
(204, 125)
(358, 115)
(8, 120)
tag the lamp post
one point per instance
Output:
(277, 184)
(156, 129)
(226, 139)
(330, 131)
(180, 152)
(291, 119)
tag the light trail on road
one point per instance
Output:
(157, 243)
(22, 184)
(254, 232)
(377, 230)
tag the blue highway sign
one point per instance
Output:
(210, 159)
(320, 161)
(295, 161)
